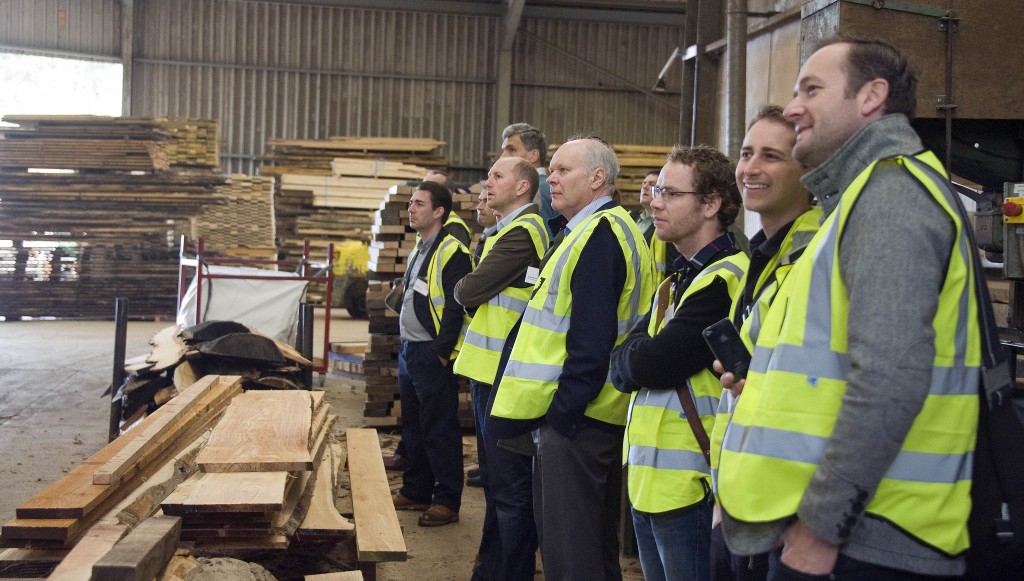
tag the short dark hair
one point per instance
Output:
(652, 172)
(713, 175)
(873, 58)
(440, 195)
(531, 137)
(523, 170)
(771, 113)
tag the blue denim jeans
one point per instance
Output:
(675, 545)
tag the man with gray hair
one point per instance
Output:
(594, 284)
(526, 141)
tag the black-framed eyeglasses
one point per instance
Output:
(668, 194)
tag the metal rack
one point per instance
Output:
(305, 268)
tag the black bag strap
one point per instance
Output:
(1000, 432)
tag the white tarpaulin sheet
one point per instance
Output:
(268, 306)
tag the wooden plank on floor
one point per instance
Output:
(228, 492)
(98, 540)
(340, 576)
(378, 533)
(74, 495)
(161, 427)
(142, 554)
(261, 431)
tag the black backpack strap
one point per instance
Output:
(996, 523)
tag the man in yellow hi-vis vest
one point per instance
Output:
(593, 285)
(498, 289)
(431, 326)
(850, 448)
(665, 364)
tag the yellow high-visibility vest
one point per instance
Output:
(767, 284)
(435, 284)
(797, 379)
(535, 364)
(666, 467)
(493, 320)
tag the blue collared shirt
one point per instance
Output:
(586, 212)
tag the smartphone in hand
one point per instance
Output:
(727, 347)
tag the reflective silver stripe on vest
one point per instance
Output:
(725, 264)
(534, 371)
(755, 322)
(437, 301)
(505, 301)
(820, 362)
(663, 459)
(483, 341)
(668, 399)
(796, 447)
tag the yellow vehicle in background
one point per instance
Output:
(350, 259)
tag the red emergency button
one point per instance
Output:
(1012, 209)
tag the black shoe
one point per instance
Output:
(473, 472)
(474, 481)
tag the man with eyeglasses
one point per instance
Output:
(665, 365)
(664, 254)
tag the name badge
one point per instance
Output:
(420, 286)
(532, 274)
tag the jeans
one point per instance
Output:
(675, 545)
(509, 481)
(430, 427)
(489, 554)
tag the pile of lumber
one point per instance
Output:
(246, 220)
(126, 143)
(157, 455)
(269, 473)
(215, 469)
(300, 156)
(390, 246)
(327, 189)
(114, 224)
(182, 356)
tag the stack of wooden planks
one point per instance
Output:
(290, 155)
(267, 474)
(245, 220)
(165, 443)
(328, 188)
(111, 222)
(167, 142)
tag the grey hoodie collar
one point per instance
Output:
(889, 136)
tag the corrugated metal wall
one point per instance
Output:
(268, 70)
(574, 77)
(82, 28)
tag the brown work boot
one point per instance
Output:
(395, 462)
(404, 503)
(438, 515)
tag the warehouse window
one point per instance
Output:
(36, 85)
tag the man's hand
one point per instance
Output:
(803, 551)
(728, 380)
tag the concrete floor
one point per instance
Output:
(52, 416)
